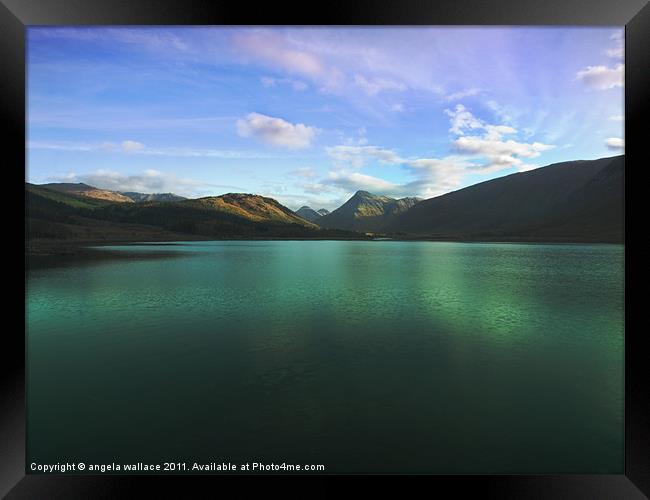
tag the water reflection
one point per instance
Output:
(367, 356)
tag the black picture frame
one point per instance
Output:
(15, 15)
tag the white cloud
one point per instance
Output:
(615, 144)
(276, 131)
(500, 153)
(494, 132)
(617, 118)
(354, 181)
(375, 85)
(481, 147)
(132, 146)
(430, 176)
(462, 119)
(436, 176)
(602, 77)
(397, 107)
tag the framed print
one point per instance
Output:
(364, 239)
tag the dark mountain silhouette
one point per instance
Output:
(310, 214)
(366, 212)
(568, 201)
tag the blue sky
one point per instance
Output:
(310, 115)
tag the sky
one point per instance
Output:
(308, 116)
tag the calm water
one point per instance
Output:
(362, 356)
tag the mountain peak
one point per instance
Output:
(365, 211)
(308, 213)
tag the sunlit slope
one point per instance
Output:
(81, 189)
(56, 215)
(366, 212)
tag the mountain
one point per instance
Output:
(323, 211)
(73, 218)
(82, 189)
(309, 214)
(568, 201)
(366, 212)
(68, 199)
(142, 197)
(571, 201)
(251, 207)
(57, 222)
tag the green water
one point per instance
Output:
(415, 357)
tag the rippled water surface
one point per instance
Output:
(362, 356)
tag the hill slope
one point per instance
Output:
(142, 197)
(81, 189)
(58, 216)
(569, 201)
(366, 212)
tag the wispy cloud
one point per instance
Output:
(112, 147)
(481, 148)
(499, 152)
(149, 181)
(269, 81)
(462, 94)
(357, 156)
(372, 86)
(274, 51)
(180, 93)
(617, 51)
(140, 37)
(429, 177)
(304, 172)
